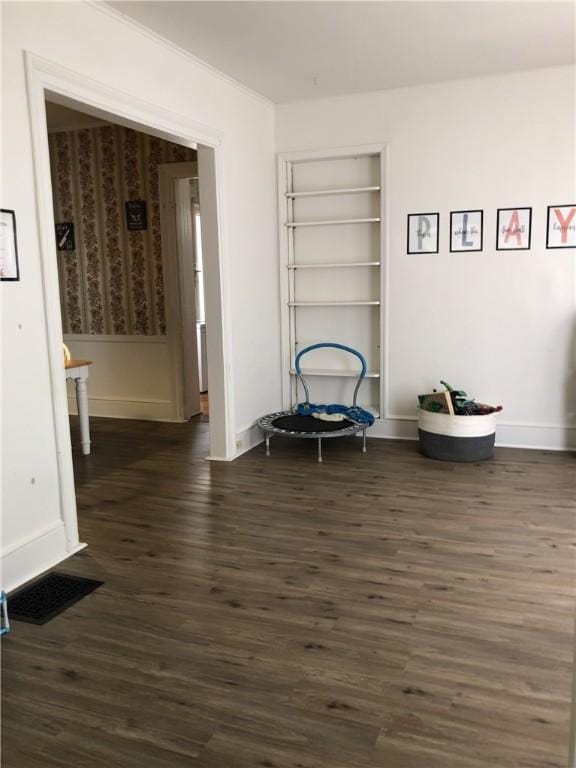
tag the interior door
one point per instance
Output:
(186, 289)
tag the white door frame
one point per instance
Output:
(175, 274)
(68, 88)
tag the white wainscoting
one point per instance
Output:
(131, 376)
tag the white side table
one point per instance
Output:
(79, 370)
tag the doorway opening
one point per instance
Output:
(129, 258)
(128, 237)
(200, 307)
(182, 232)
(202, 351)
(49, 82)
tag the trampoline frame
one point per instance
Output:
(266, 422)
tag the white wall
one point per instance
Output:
(99, 46)
(500, 325)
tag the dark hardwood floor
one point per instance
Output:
(378, 610)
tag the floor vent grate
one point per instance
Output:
(48, 596)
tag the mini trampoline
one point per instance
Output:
(300, 422)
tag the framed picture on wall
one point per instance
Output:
(65, 240)
(561, 226)
(423, 231)
(9, 269)
(513, 229)
(136, 215)
(466, 230)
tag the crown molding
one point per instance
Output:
(103, 7)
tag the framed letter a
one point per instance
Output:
(513, 229)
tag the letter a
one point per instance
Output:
(513, 229)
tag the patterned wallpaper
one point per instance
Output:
(112, 282)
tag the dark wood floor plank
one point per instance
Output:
(375, 611)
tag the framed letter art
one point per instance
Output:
(513, 229)
(466, 230)
(423, 232)
(561, 226)
(8, 246)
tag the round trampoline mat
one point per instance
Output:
(294, 422)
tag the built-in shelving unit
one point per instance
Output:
(332, 250)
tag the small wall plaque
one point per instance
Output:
(65, 240)
(136, 217)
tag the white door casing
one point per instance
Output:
(187, 295)
(64, 86)
(179, 284)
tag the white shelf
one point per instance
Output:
(324, 192)
(343, 265)
(335, 373)
(330, 222)
(359, 303)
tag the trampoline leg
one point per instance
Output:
(319, 449)
(267, 445)
(363, 441)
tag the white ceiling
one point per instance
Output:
(289, 51)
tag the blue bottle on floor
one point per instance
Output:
(5, 622)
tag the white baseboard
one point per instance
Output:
(536, 436)
(28, 558)
(117, 408)
(394, 429)
(248, 438)
(508, 435)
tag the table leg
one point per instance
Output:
(319, 449)
(82, 402)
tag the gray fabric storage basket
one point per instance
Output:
(456, 438)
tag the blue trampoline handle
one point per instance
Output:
(331, 345)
